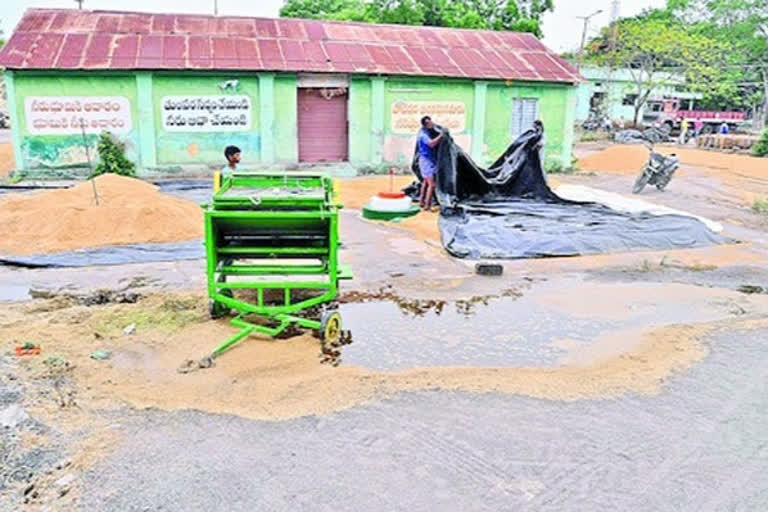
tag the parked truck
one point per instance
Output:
(667, 112)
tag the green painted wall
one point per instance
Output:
(203, 147)
(556, 105)
(359, 115)
(67, 151)
(273, 134)
(285, 122)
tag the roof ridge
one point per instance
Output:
(54, 38)
(237, 16)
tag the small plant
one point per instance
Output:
(590, 137)
(760, 206)
(555, 166)
(761, 147)
(112, 158)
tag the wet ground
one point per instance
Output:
(621, 382)
(537, 327)
(699, 445)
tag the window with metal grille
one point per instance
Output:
(524, 112)
(629, 100)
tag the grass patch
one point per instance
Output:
(556, 166)
(171, 314)
(650, 266)
(590, 137)
(760, 206)
(761, 148)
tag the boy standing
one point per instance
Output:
(232, 154)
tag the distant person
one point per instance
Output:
(724, 129)
(427, 160)
(683, 132)
(698, 126)
(622, 123)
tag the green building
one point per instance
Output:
(177, 89)
(614, 92)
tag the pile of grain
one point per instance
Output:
(356, 192)
(6, 160)
(618, 159)
(129, 212)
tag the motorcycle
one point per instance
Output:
(658, 170)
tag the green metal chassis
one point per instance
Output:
(287, 208)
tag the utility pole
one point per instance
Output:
(79, 4)
(215, 7)
(615, 11)
(614, 25)
(584, 35)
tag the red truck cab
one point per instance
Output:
(667, 111)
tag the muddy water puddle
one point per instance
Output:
(564, 322)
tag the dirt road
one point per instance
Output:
(632, 381)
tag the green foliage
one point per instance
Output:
(521, 16)
(761, 148)
(760, 206)
(741, 28)
(652, 44)
(594, 135)
(347, 10)
(112, 158)
(554, 165)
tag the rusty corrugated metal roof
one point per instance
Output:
(91, 40)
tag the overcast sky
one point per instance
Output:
(562, 29)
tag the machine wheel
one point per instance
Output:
(640, 183)
(217, 309)
(330, 330)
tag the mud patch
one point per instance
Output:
(419, 306)
(277, 379)
(751, 289)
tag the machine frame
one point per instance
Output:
(281, 204)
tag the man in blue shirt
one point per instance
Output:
(427, 161)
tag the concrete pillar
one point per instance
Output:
(478, 121)
(568, 129)
(267, 116)
(147, 140)
(377, 119)
(13, 111)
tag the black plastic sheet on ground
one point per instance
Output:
(113, 255)
(509, 211)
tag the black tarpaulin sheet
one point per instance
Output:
(509, 211)
(113, 255)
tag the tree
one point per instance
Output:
(515, 15)
(347, 10)
(744, 25)
(651, 46)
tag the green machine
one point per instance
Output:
(272, 245)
